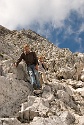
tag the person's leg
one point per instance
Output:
(44, 77)
(34, 76)
(41, 79)
(37, 76)
(31, 74)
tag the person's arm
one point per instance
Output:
(35, 61)
(36, 67)
(35, 58)
(45, 66)
(19, 60)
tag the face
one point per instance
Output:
(41, 59)
(26, 49)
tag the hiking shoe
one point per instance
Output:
(34, 86)
(38, 91)
(46, 83)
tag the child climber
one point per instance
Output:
(42, 67)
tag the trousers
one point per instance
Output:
(34, 75)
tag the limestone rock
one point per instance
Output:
(39, 107)
(11, 95)
(63, 95)
(81, 120)
(67, 118)
(82, 77)
(55, 120)
(19, 73)
(9, 121)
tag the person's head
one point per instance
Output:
(26, 48)
(41, 58)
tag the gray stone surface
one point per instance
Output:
(12, 93)
(81, 120)
(62, 98)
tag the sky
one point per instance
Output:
(60, 21)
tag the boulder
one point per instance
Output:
(36, 107)
(67, 118)
(82, 77)
(81, 91)
(81, 120)
(47, 93)
(64, 96)
(65, 73)
(9, 121)
(12, 93)
(53, 120)
(19, 73)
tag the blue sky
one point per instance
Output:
(60, 21)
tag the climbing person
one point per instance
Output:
(42, 67)
(31, 60)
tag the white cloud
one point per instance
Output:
(81, 28)
(14, 13)
(57, 43)
(68, 32)
(79, 41)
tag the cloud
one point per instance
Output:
(24, 13)
(79, 42)
(57, 43)
(81, 28)
(68, 32)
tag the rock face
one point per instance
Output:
(61, 100)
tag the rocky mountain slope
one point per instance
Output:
(61, 100)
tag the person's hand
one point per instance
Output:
(36, 67)
(15, 64)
